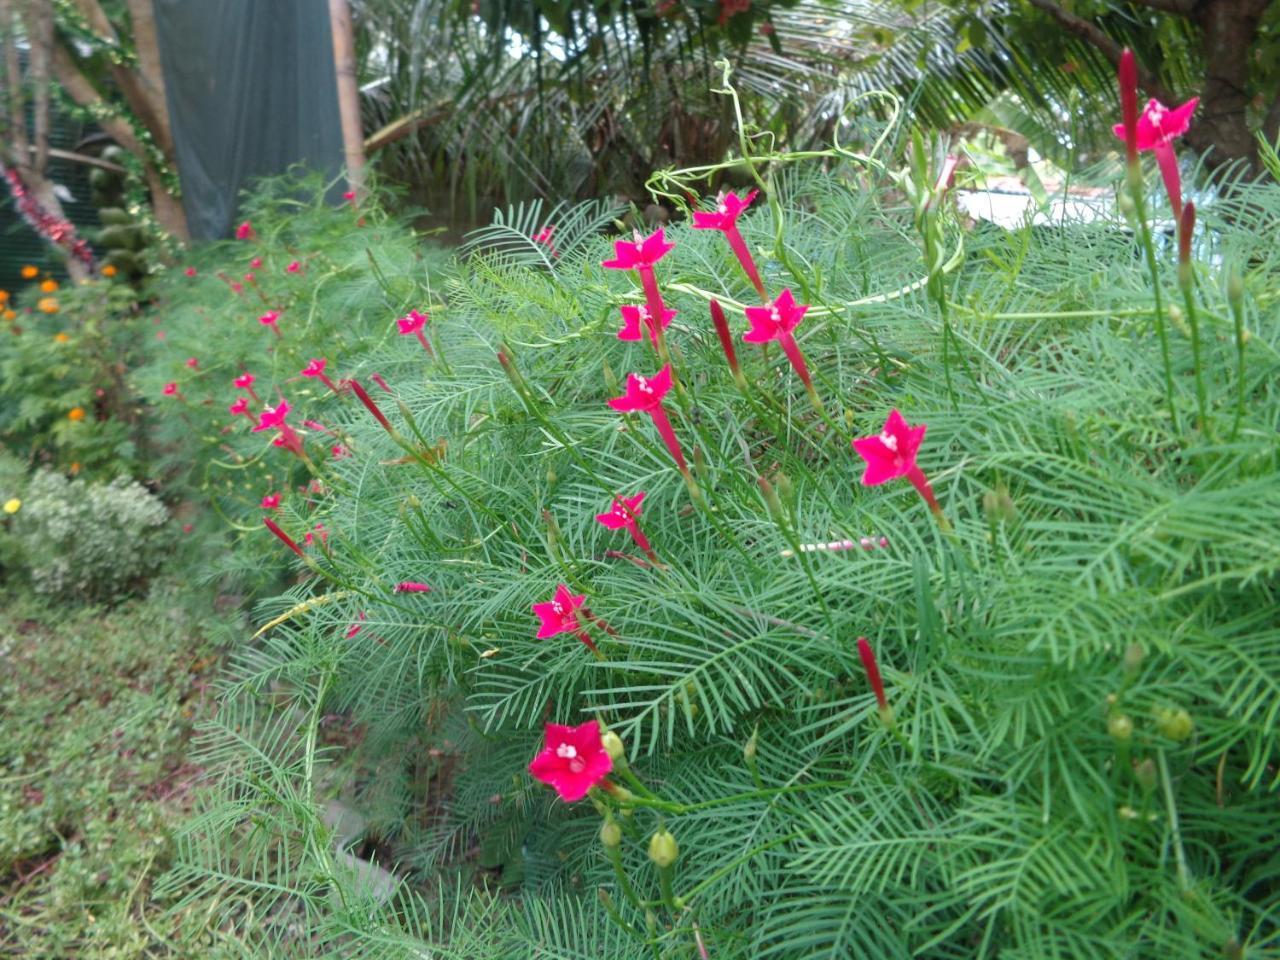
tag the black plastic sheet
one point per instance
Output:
(251, 90)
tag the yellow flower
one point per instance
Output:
(60, 338)
(76, 413)
(30, 272)
(47, 304)
(109, 270)
(49, 286)
(12, 506)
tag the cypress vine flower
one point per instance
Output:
(560, 615)
(644, 395)
(372, 407)
(244, 231)
(411, 586)
(294, 267)
(868, 657)
(1155, 129)
(729, 206)
(287, 540)
(315, 370)
(543, 237)
(241, 408)
(726, 343)
(776, 321)
(245, 382)
(573, 761)
(892, 454)
(269, 319)
(634, 316)
(412, 323)
(623, 515)
(1128, 128)
(271, 501)
(276, 418)
(641, 255)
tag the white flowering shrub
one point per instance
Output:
(93, 541)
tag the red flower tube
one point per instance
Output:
(726, 343)
(729, 206)
(284, 537)
(372, 407)
(868, 658)
(645, 395)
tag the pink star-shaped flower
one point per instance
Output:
(729, 207)
(170, 388)
(639, 254)
(193, 363)
(244, 381)
(643, 394)
(559, 614)
(1159, 125)
(269, 318)
(244, 231)
(623, 514)
(573, 761)
(315, 367)
(892, 453)
(634, 316)
(271, 501)
(294, 267)
(273, 418)
(241, 406)
(412, 322)
(256, 263)
(774, 320)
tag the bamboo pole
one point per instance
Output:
(344, 63)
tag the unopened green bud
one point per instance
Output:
(610, 378)
(1179, 319)
(1145, 774)
(700, 465)
(551, 476)
(1133, 656)
(610, 834)
(619, 792)
(771, 500)
(651, 922)
(613, 746)
(1127, 207)
(786, 490)
(663, 849)
(999, 506)
(553, 528)
(1120, 727)
(1175, 724)
(749, 751)
(1235, 288)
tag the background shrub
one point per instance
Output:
(88, 540)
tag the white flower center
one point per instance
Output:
(722, 208)
(558, 607)
(644, 314)
(643, 385)
(890, 441)
(775, 316)
(566, 751)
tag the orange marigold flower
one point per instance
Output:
(47, 304)
(49, 286)
(30, 272)
(10, 315)
(109, 270)
(76, 413)
(60, 338)
(4, 296)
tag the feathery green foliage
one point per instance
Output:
(1041, 794)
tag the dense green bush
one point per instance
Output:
(90, 541)
(1080, 663)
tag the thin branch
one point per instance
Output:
(39, 22)
(17, 124)
(1109, 48)
(73, 157)
(1179, 8)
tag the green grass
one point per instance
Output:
(97, 709)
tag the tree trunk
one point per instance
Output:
(344, 62)
(1230, 31)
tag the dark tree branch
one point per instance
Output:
(1109, 48)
